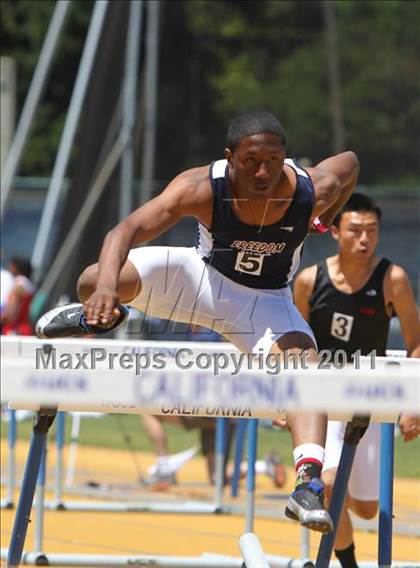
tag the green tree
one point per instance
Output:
(380, 46)
(218, 57)
(272, 54)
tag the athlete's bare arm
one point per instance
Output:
(334, 180)
(302, 290)
(399, 293)
(189, 194)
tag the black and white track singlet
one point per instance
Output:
(350, 321)
(265, 257)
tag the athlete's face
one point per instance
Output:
(357, 234)
(256, 165)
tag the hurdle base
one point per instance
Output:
(7, 505)
(187, 507)
(55, 506)
(206, 560)
(28, 558)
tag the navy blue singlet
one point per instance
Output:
(265, 257)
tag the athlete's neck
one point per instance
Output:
(350, 269)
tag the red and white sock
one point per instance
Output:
(309, 459)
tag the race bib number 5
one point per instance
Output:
(249, 262)
(341, 326)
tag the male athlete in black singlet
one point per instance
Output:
(348, 300)
(254, 210)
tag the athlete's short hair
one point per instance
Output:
(358, 202)
(253, 122)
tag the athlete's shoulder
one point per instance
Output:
(192, 184)
(307, 276)
(190, 194)
(193, 176)
(396, 282)
(396, 275)
(304, 284)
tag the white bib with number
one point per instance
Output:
(249, 262)
(341, 326)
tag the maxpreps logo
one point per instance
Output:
(57, 383)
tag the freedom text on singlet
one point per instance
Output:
(266, 256)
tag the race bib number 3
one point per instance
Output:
(341, 326)
(249, 262)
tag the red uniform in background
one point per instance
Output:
(15, 313)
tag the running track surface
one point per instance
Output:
(151, 533)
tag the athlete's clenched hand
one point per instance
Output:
(101, 306)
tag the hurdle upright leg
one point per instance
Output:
(239, 450)
(30, 476)
(74, 439)
(11, 460)
(305, 543)
(252, 552)
(39, 503)
(250, 475)
(337, 501)
(352, 436)
(386, 490)
(59, 444)
(219, 467)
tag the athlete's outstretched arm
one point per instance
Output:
(186, 195)
(400, 293)
(344, 168)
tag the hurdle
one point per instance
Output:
(25, 346)
(256, 396)
(252, 551)
(190, 506)
(239, 448)
(209, 560)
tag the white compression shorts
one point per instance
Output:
(364, 477)
(178, 285)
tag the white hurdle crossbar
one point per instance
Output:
(26, 349)
(197, 392)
